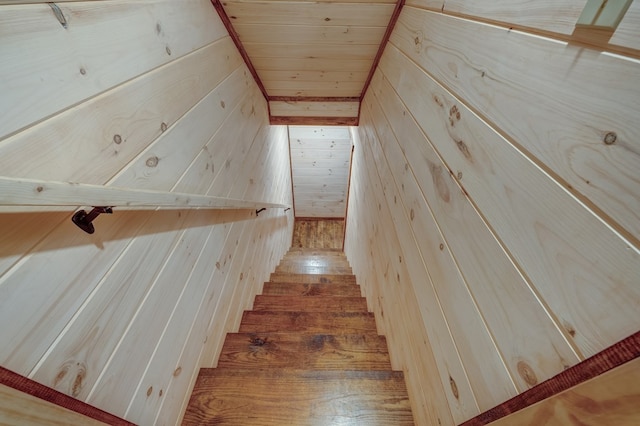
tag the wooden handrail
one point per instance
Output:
(29, 193)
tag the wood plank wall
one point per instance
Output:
(146, 95)
(320, 166)
(493, 214)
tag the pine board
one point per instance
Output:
(504, 298)
(308, 13)
(556, 221)
(319, 34)
(107, 132)
(314, 109)
(67, 66)
(445, 308)
(366, 239)
(531, 89)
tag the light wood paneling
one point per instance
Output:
(320, 161)
(301, 13)
(125, 317)
(314, 109)
(321, 34)
(485, 161)
(543, 89)
(381, 274)
(544, 352)
(112, 129)
(312, 64)
(69, 65)
(555, 18)
(483, 182)
(628, 32)
(558, 16)
(303, 89)
(311, 49)
(324, 52)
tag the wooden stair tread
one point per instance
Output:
(305, 351)
(285, 277)
(294, 249)
(327, 256)
(300, 397)
(309, 304)
(315, 270)
(307, 354)
(311, 290)
(310, 322)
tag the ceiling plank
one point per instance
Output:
(315, 121)
(310, 109)
(310, 76)
(320, 34)
(319, 51)
(308, 13)
(312, 64)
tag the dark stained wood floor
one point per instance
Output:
(318, 233)
(307, 354)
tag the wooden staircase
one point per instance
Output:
(307, 354)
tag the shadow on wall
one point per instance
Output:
(48, 231)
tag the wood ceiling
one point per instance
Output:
(313, 60)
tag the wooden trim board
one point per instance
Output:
(314, 121)
(385, 39)
(236, 40)
(614, 356)
(313, 99)
(28, 386)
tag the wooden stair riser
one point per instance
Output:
(315, 270)
(305, 351)
(303, 250)
(307, 354)
(308, 322)
(311, 290)
(311, 279)
(276, 397)
(309, 304)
